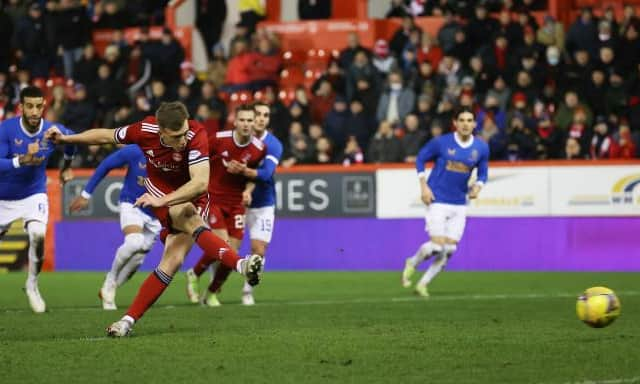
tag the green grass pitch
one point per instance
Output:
(326, 327)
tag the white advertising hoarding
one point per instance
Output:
(517, 191)
(595, 191)
(598, 190)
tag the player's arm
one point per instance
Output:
(117, 159)
(247, 193)
(483, 175)
(69, 151)
(428, 152)
(91, 136)
(195, 187)
(7, 163)
(267, 168)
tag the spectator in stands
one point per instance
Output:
(616, 95)
(500, 56)
(624, 146)
(385, 147)
(16, 9)
(382, 60)
(413, 139)
(314, 9)
(299, 149)
(138, 71)
(400, 38)
(335, 124)
(210, 18)
(265, 64)
(450, 73)
(6, 30)
(237, 77)
(158, 94)
(58, 103)
(32, 42)
(123, 115)
(606, 35)
(360, 68)
(573, 150)
(551, 33)
(116, 63)
(359, 124)
(300, 113)
(208, 94)
(628, 18)
(323, 151)
(447, 32)
(429, 51)
(577, 73)
(321, 101)
(315, 131)
(629, 48)
(437, 129)
(110, 15)
(86, 68)
(367, 94)
(521, 140)
(481, 26)
(348, 54)
(205, 117)
(251, 13)
(72, 30)
(397, 101)
(549, 137)
(427, 82)
(511, 29)
(171, 55)
(398, 9)
(601, 143)
(526, 85)
(595, 91)
(482, 77)
(79, 114)
(565, 114)
(424, 111)
(352, 154)
(582, 34)
(494, 136)
(462, 50)
(280, 117)
(106, 92)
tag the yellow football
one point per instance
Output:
(598, 307)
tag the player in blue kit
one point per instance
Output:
(23, 193)
(445, 193)
(139, 225)
(260, 217)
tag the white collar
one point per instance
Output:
(26, 132)
(461, 143)
(233, 135)
(264, 135)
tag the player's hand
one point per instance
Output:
(235, 167)
(426, 195)
(474, 191)
(79, 204)
(66, 175)
(30, 159)
(54, 135)
(246, 198)
(148, 200)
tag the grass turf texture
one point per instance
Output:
(326, 327)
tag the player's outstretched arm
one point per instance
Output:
(483, 175)
(195, 187)
(92, 136)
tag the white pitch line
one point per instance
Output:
(629, 380)
(404, 299)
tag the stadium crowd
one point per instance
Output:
(539, 91)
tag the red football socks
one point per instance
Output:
(148, 293)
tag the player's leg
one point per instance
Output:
(176, 248)
(435, 225)
(260, 222)
(36, 215)
(150, 233)
(187, 220)
(219, 229)
(220, 276)
(454, 227)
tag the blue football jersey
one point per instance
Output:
(453, 163)
(17, 183)
(133, 186)
(264, 195)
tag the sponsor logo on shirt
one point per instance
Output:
(150, 153)
(18, 141)
(451, 151)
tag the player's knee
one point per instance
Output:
(147, 243)
(134, 241)
(450, 248)
(36, 231)
(433, 247)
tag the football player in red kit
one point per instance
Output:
(230, 195)
(177, 154)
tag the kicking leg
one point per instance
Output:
(425, 251)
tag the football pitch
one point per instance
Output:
(326, 327)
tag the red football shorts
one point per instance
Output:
(228, 217)
(162, 213)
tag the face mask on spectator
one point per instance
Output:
(395, 86)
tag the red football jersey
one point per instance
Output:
(226, 188)
(167, 169)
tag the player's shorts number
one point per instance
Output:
(266, 224)
(239, 221)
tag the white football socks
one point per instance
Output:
(425, 251)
